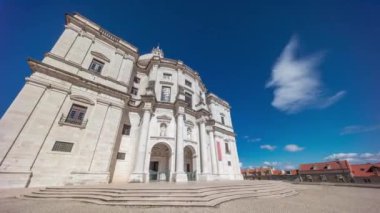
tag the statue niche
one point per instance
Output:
(163, 128)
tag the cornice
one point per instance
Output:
(176, 65)
(47, 85)
(89, 26)
(218, 129)
(109, 103)
(78, 66)
(212, 97)
(37, 66)
(220, 123)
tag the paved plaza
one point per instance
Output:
(310, 198)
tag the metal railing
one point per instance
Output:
(159, 176)
(191, 176)
(65, 120)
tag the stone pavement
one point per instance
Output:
(311, 198)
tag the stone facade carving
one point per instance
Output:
(74, 115)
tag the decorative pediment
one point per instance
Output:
(189, 123)
(100, 56)
(164, 118)
(82, 99)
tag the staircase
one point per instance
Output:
(205, 194)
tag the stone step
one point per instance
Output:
(150, 189)
(161, 194)
(166, 194)
(178, 203)
(157, 198)
(172, 188)
(158, 191)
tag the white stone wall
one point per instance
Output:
(32, 124)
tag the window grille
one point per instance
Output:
(96, 66)
(62, 146)
(165, 94)
(120, 156)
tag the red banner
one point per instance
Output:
(219, 151)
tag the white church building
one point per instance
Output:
(96, 111)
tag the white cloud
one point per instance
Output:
(279, 165)
(268, 147)
(355, 129)
(296, 82)
(289, 167)
(272, 164)
(293, 148)
(355, 157)
(252, 140)
(332, 100)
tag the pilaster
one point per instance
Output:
(215, 169)
(205, 175)
(180, 175)
(138, 174)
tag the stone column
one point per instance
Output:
(215, 169)
(138, 174)
(180, 175)
(203, 134)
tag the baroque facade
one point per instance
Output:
(95, 111)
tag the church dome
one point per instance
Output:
(144, 59)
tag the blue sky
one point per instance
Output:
(302, 77)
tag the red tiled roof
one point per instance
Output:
(362, 170)
(257, 170)
(276, 172)
(332, 165)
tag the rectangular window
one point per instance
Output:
(187, 83)
(126, 129)
(167, 76)
(76, 114)
(120, 156)
(62, 146)
(222, 119)
(229, 163)
(188, 99)
(165, 94)
(228, 151)
(134, 90)
(96, 66)
(136, 80)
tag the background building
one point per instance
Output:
(366, 173)
(95, 111)
(333, 171)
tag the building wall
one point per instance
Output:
(331, 176)
(35, 121)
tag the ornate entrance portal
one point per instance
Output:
(159, 165)
(189, 163)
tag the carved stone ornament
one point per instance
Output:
(100, 56)
(164, 119)
(189, 123)
(82, 99)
